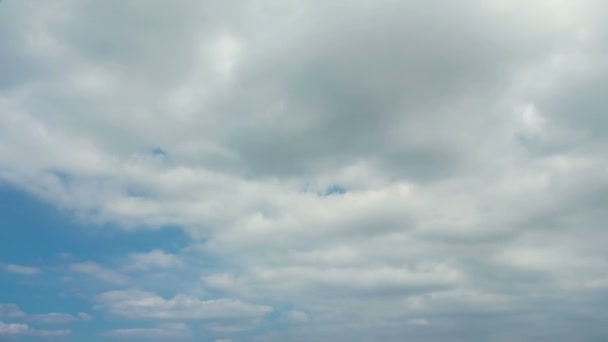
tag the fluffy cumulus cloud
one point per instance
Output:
(344, 170)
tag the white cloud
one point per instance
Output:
(95, 270)
(167, 331)
(134, 304)
(59, 318)
(11, 311)
(156, 259)
(299, 279)
(84, 316)
(470, 148)
(53, 318)
(13, 329)
(21, 270)
(18, 329)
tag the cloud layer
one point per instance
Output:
(344, 170)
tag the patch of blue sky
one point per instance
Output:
(35, 234)
(335, 189)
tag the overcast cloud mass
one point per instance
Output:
(314, 170)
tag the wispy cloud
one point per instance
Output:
(97, 271)
(18, 329)
(20, 269)
(135, 304)
(156, 259)
(173, 331)
(59, 318)
(11, 311)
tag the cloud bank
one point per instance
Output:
(344, 170)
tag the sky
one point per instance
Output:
(282, 170)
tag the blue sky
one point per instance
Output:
(271, 170)
(57, 239)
